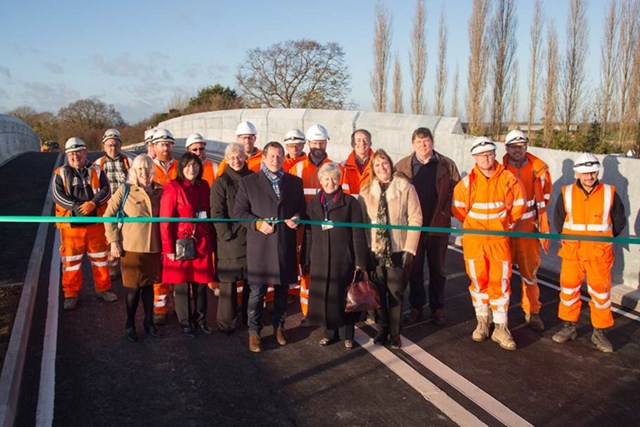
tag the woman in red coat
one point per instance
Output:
(188, 197)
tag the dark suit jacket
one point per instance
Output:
(270, 258)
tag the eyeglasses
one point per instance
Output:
(196, 149)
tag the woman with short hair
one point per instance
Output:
(137, 244)
(336, 253)
(188, 197)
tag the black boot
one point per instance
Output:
(130, 333)
(382, 336)
(204, 328)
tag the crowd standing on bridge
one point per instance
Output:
(269, 254)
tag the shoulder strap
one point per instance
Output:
(125, 194)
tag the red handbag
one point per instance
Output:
(362, 294)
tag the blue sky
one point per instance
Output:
(139, 55)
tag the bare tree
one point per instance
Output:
(534, 68)
(454, 96)
(381, 58)
(418, 59)
(550, 95)
(503, 48)
(608, 65)
(514, 100)
(477, 69)
(572, 83)
(295, 74)
(634, 95)
(627, 47)
(397, 87)
(441, 71)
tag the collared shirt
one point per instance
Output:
(116, 172)
(416, 163)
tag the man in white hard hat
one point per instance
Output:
(587, 207)
(534, 175)
(489, 198)
(294, 144)
(246, 134)
(148, 140)
(196, 144)
(81, 189)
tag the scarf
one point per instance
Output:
(383, 235)
(274, 178)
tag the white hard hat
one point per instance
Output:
(162, 135)
(317, 133)
(246, 128)
(74, 144)
(585, 163)
(516, 137)
(482, 144)
(148, 135)
(111, 133)
(294, 136)
(193, 138)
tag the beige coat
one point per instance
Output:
(404, 209)
(136, 236)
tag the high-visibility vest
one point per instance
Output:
(588, 216)
(253, 162)
(536, 180)
(308, 172)
(289, 162)
(94, 171)
(163, 176)
(355, 178)
(209, 171)
(495, 203)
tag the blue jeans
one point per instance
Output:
(256, 305)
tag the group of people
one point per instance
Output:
(257, 245)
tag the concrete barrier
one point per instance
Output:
(393, 133)
(16, 137)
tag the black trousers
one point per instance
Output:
(184, 293)
(133, 297)
(435, 249)
(227, 315)
(391, 288)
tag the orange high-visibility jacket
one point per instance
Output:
(355, 178)
(253, 162)
(536, 180)
(289, 162)
(587, 216)
(308, 172)
(60, 174)
(495, 203)
(209, 170)
(163, 176)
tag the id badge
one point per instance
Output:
(326, 227)
(202, 214)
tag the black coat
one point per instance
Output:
(333, 255)
(231, 253)
(270, 258)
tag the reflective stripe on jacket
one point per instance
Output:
(308, 172)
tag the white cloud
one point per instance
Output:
(54, 68)
(4, 71)
(48, 96)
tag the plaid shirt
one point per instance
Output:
(116, 172)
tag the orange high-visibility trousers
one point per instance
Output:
(75, 241)
(526, 254)
(488, 264)
(161, 298)
(598, 275)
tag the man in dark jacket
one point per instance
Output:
(434, 176)
(273, 201)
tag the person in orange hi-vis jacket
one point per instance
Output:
(294, 144)
(166, 171)
(489, 198)
(357, 164)
(317, 137)
(246, 134)
(534, 175)
(587, 207)
(81, 189)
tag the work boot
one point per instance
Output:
(567, 333)
(534, 321)
(107, 296)
(481, 332)
(281, 337)
(255, 344)
(502, 336)
(70, 303)
(415, 315)
(601, 341)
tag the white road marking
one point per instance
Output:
(429, 391)
(582, 297)
(44, 412)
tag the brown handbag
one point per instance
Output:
(362, 294)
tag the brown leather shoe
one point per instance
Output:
(438, 317)
(255, 343)
(281, 337)
(415, 315)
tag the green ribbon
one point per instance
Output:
(630, 240)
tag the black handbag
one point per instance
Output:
(186, 249)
